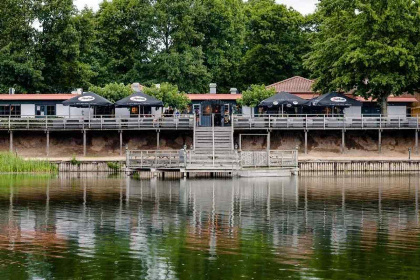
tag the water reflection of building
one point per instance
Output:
(288, 217)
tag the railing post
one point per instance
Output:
(269, 121)
(9, 123)
(127, 158)
(194, 125)
(324, 122)
(212, 128)
(233, 132)
(141, 159)
(46, 121)
(101, 122)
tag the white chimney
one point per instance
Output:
(11, 91)
(213, 88)
(136, 87)
(233, 90)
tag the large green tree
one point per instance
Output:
(372, 47)
(222, 26)
(59, 47)
(178, 57)
(123, 33)
(20, 64)
(274, 43)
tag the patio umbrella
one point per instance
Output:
(282, 99)
(87, 100)
(334, 99)
(139, 99)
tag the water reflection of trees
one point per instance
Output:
(176, 229)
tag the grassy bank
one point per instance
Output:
(9, 162)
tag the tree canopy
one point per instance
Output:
(169, 94)
(372, 47)
(113, 91)
(253, 96)
(53, 47)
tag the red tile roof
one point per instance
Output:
(302, 87)
(33, 96)
(295, 84)
(211, 96)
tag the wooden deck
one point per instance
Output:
(209, 161)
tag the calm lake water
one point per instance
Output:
(311, 227)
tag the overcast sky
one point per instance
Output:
(303, 6)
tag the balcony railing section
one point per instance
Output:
(324, 122)
(187, 122)
(96, 123)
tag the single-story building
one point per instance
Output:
(33, 105)
(302, 87)
(222, 105)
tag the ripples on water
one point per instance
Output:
(348, 227)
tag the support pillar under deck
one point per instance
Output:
(380, 141)
(416, 142)
(121, 142)
(343, 141)
(11, 141)
(48, 143)
(306, 142)
(84, 142)
(158, 140)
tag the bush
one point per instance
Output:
(114, 166)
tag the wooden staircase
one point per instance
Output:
(209, 139)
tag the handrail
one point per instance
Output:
(190, 158)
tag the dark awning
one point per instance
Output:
(334, 99)
(283, 98)
(139, 99)
(87, 99)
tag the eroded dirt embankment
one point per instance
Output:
(320, 144)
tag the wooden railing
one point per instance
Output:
(272, 158)
(188, 121)
(324, 122)
(188, 159)
(96, 123)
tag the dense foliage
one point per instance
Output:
(169, 94)
(372, 47)
(112, 91)
(50, 46)
(255, 94)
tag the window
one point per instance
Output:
(4, 110)
(15, 110)
(50, 110)
(45, 110)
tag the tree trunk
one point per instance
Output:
(384, 106)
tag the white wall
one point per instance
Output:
(157, 112)
(397, 110)
(247, 111)
(122, 112)
(27, 110)
(353, 111)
